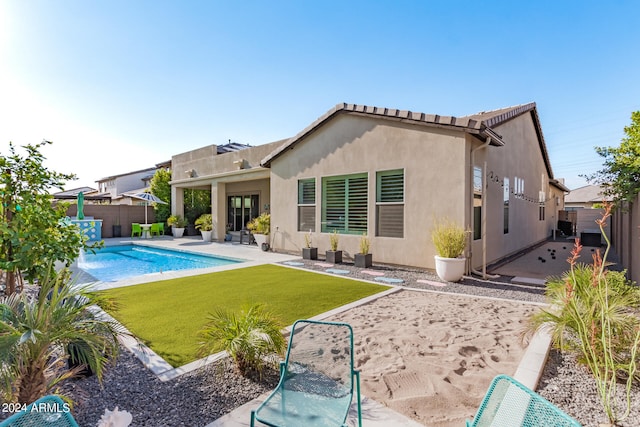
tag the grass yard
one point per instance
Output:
(167, 315)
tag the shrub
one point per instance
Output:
(249, 337)
(176, 221)
(260, 224)
(595, 313)
(449, 238)
(33, 330)
(204, 222)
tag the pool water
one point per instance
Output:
(122, 262)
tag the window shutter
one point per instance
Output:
(357, 214)
(307, 192)
(390, 204)
(334, 207)
(391, 188)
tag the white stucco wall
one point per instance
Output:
(433, 163)
(520, 157)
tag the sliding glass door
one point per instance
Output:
(241, 210)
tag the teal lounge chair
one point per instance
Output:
(510, 404)
(317, 379)
(136, 230)
(48, 411)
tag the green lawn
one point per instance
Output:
(167, 315)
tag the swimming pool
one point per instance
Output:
(122, 262)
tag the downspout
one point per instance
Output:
(483, 273)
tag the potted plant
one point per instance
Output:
(177, 224)
(449, 240)
(204, 223)
(364, 259)
(227, 236)
(260, 227)
(334, 256)
(309, 252)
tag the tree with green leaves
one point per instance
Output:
(196, 203)
(620, 176)
(161, 188)
(33, 230)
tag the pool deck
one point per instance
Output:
(373, 413)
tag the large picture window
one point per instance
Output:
(307, 205)
(344, 204)
(390, 203)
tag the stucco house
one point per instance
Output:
(389, 174)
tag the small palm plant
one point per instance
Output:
(249, 337)
(35, 331)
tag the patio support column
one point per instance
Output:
(177, 201)
(219, 210)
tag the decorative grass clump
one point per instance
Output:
(167, 315)
(449, 238)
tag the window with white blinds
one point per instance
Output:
(344, 204)
(390, 203)
(307, 205)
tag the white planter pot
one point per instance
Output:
(177, 232)
(450, 269)
(261, 238)
(207, 235)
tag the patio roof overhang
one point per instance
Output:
(231, 176)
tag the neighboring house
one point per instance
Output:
(583, 206)
(388, 174)
(587, 197)
(91, 195)
(117, 185)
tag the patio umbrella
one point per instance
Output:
(148, 198)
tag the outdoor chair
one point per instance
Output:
(157, 229)
(136, 230)
(317, 379)
(508, 403)
(48, 411)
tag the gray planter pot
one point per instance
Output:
(364, 260)
(334, 257)
(309, 253)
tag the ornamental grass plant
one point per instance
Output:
(449, 238)
(364, 244)
(595, 312)
(334, 239)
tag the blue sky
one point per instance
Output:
(122, 85)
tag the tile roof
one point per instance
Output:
(587, 194)
(479, 124)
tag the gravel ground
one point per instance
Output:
(200, 397)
